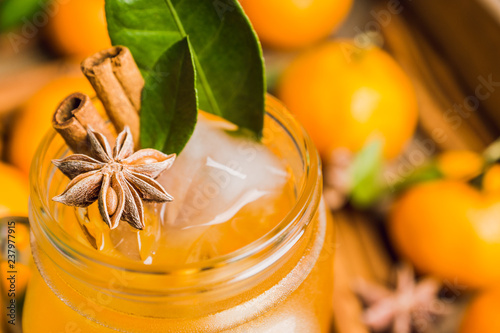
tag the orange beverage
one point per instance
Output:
(245, 247)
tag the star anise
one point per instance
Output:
(337, 177)
(412, 305)
(117, 178)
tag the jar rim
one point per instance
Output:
(310, 187)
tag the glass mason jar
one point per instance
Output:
(281, 282)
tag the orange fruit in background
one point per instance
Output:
(290, 24)
(78, 27)
(346, 96)
(482, 315)
(491, 179)
(460, 164)
(449, 229)
(35, 118)
(14, 192)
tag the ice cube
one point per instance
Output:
(217, 174)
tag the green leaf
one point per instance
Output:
(226, 52)
(427, 172)
(365, 173)
(169, 105)
(14, 12)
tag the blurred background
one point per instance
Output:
(402, 100)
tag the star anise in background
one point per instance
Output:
(337, 177)
(119, 179)
(412, 306)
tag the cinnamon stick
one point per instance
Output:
(361, 254)
(128, 74)
(118, 83)
(437, 88)
(72, 118)
(467, 46)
